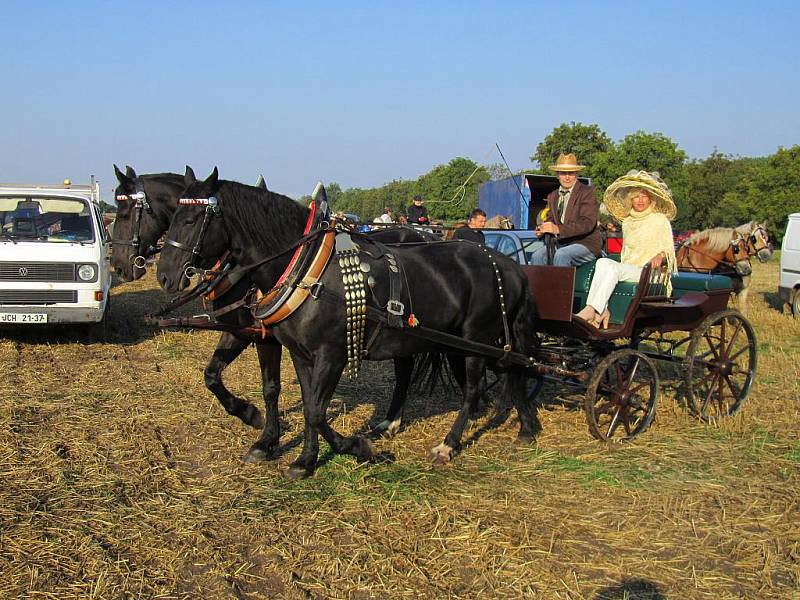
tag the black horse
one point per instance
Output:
(456, 287)
(146, 204)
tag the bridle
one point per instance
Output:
(758, 234)
(212, 210)
(141, 205)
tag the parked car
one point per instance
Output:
(54, 265)
(789, 285)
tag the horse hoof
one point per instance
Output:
(364, 450)
(295, 473)
(387, 429)
(442, 454)
(254, 456)
(523, 439)
(254, 418)
(258, 455)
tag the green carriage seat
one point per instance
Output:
(684, 281)
(620, 300)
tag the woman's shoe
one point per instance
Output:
(587, 314)
(601, 320)
(576, 318)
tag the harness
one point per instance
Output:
(212, 210)
(301, 279)
(752, 243)
(141, 205)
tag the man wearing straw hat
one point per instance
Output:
(572, 217)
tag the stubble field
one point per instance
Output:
(120, 477)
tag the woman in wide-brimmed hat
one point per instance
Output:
(642, 202)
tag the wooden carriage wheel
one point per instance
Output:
(720, 365)
(622, 395)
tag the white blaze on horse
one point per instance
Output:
(727, 251)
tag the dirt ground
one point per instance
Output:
(121, 477)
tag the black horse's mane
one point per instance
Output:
(243, 207)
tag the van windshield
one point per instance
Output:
(57, 220)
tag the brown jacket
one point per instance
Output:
(580, 220)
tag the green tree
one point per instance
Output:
(497, 171)
(333, 191)
(646, 151)
(451, 190)
(716, 190)
(585, 141)
(772, 191)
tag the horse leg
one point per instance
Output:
(228, 349)
(473, 370)
(318, 379)
(269, 359)
(527, 409)
(403, 367)
(741, 297)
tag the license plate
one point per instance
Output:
(23, 318)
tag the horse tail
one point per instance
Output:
(431, 369)
(522, 341)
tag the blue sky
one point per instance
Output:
(365, 92)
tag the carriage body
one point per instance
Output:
(715, 359)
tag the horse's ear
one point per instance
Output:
(130, 172)
(188, 176)
(261, 183)
(213, 178)
(121, 177)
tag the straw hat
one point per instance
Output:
(566, 163)
(619, 195)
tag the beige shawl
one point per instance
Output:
(646, 234)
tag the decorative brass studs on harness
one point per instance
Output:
(355, 299)
(507, 345)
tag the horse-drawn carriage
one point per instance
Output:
(716, 358)
(345, 297)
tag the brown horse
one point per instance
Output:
(726, 251)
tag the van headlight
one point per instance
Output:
(87, 272)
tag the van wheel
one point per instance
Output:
(796, 304)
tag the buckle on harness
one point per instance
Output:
(313, 290)
(395, 307)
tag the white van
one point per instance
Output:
(54, 265)
(789, 286)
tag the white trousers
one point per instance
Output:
(607, 273)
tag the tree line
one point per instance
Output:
(720, 190)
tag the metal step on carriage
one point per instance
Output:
(715, 359)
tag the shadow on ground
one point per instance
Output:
(631, 589)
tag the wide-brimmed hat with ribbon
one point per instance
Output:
(566, 163)
(618, 198)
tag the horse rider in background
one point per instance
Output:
(418, 213)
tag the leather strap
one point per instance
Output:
(302, 289)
